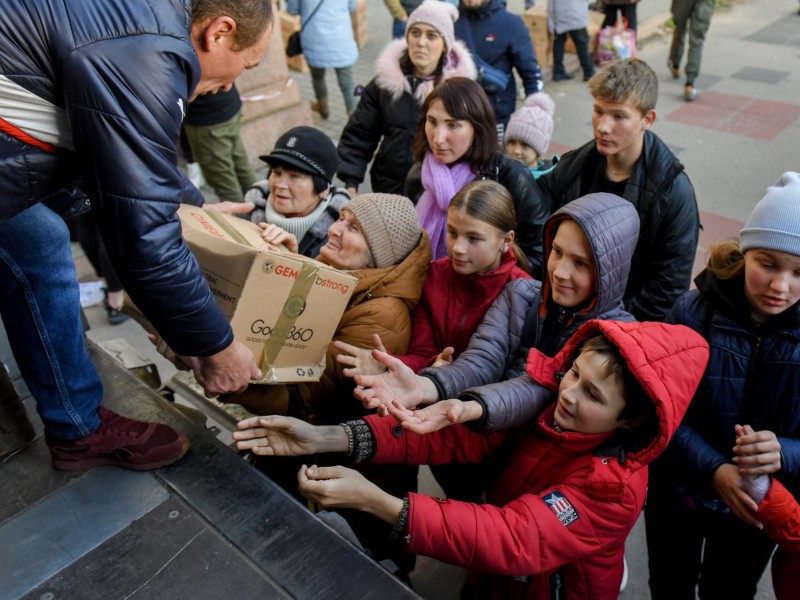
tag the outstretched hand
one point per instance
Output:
(340, 487)
(275, 435)
(429, 419)
(444, 358)
(360, 360)
(398, 384)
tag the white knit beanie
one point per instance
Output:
(774, 223)
(437, 14)
(532, 124)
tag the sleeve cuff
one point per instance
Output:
(360, 442)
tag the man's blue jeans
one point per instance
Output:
(40, 307)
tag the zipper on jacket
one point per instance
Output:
(747, 412)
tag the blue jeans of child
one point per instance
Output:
(40, 307)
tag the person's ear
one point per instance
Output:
(218, 31)
(648, 119)
(508, 239)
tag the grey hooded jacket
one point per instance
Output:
(498, 350)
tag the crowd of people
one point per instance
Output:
(521, 322)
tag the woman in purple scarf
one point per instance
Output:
(457, 143)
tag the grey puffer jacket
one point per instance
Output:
(498, 350)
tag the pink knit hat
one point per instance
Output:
(532, 124)
(437, 14)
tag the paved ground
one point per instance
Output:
(736, 139)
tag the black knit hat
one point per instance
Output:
(306, 149)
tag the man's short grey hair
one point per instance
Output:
(252, 17)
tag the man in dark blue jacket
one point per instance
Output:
(95, 91)
(500, 40)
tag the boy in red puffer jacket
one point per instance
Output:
(559, 514)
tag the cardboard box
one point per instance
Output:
(282, 306)
(544, 53)
(290, 24)
(536, 21)
(359, 19)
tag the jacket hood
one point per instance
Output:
(611, 224)
(392, 79)
(402, 281)
(668, 361)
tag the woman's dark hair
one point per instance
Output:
(253, 17)
(491, 203)
(319, 182)
(407, 67)
(465, 100)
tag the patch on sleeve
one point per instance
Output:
(561, 507)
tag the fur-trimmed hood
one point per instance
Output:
(392, 79)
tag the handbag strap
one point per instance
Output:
(311, 16)
(471, 45)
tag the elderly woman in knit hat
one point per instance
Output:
(297, 204)
(378, 240)
(747, 305)
(387, 114)
(529, 132)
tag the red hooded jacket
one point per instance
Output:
(562, 509)
(452, 306)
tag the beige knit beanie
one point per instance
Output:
(390, 224)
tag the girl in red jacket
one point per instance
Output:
(557, 518)
(460, 288)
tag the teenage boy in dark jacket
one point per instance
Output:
(96, 90)
(627, 159)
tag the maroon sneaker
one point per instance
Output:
(120, 442)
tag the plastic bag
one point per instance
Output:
(615, 42)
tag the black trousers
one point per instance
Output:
(580, 37)
(715, 552)
(627, 11)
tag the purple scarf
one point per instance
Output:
(441, 183)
